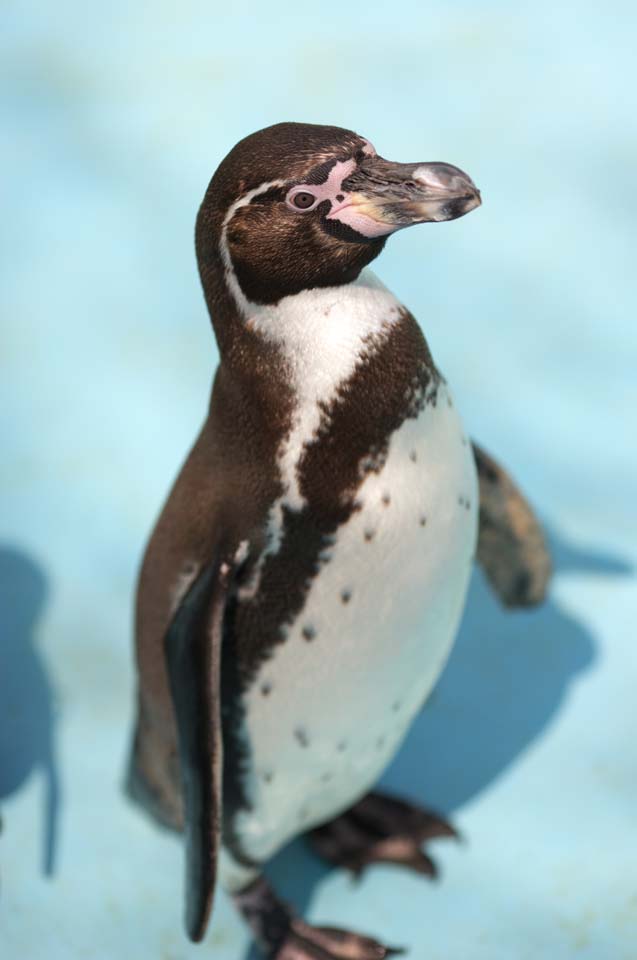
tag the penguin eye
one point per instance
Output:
(303, 200)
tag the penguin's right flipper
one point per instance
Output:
(512, 548)
(192, 648)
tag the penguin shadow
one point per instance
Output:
(27, 740)
(505, 682)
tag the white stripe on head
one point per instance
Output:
(328, 190)
(246, 307)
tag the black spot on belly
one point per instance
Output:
(423, 520)
(326, 777)
(380, 743)
(467, 504)
(396, 706)
(266, 689)
(340, 197)
(413, 456)
(301, 737)
(342, 746)
(386, 499)
(396, 375)
(346, 596)
(267, 776)
(308, 633)
(369, 535)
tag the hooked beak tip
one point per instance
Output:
(448, 191)
(382, 197)
(473, 200)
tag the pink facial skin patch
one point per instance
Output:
(342, 208)
(324, 191)
(349, 214)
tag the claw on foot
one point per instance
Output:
(284, 936)
(304, 942)
(381, 829)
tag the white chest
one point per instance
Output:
(331, 706)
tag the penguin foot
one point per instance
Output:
(381, 829)
(283, 936)
(329, 943)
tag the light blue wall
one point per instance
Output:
(113, 118)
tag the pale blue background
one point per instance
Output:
(113, 118)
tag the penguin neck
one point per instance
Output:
(287, 370)
(305, 345)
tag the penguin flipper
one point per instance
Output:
(192, 649)
(512, 548)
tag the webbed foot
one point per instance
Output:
(381, 829)
(304, 942)
(283, 936)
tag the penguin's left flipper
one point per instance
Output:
(512, 549)
(381, 829)
(192, 648)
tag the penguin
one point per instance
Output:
(302, 588)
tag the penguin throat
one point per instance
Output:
(323, 335)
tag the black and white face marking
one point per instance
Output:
(334, 204)
(277, 239)
(297, 206)
(307, 196)
(372, 197)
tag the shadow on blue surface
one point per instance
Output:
(504, 684)
(27, 738)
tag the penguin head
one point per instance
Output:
(297, 206)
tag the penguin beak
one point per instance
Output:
(381, 197)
